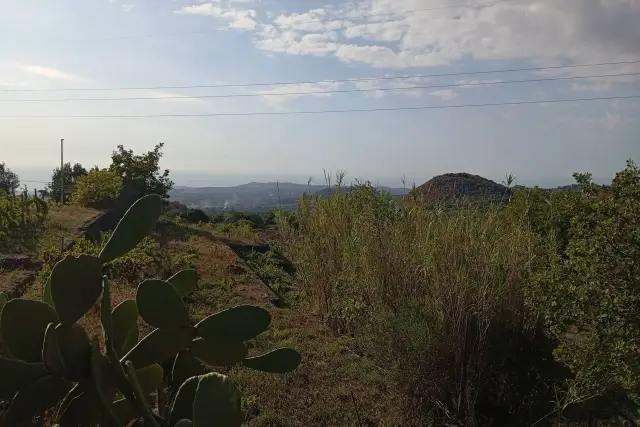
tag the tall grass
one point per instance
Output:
(434, 296)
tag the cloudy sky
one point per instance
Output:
(379, 55)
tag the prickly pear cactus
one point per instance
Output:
(52, 361)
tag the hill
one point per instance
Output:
(453, 185)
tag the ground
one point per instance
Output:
(333, 386)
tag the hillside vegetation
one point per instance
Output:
(484, 316)
(484, 306)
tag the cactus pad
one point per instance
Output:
(235, 324)
(51, 355)
(217, 402)
(3, 301)
(75, 350)
(185, 366)
(125, 326)
(34, 399)
(16, 374)
(279, 361)
(183, 423)
(184, 281)
(161, 306)
(223, 354)
(23, 326)
(158, 346)
(150, 378)
(182, 407)
(76, 284)
(134, 226)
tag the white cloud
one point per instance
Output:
(544, 32)
(445, 94)
(128, 7)
(50, 73)
(240, 19)
(285, 41)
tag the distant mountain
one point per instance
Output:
(264, 196)
(252, 197)
(454, 185)
(571, 187)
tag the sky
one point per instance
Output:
(387, 55)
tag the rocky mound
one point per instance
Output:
(453, 185)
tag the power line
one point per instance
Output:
(392, 89)
(355, 110)
(358, 79)
(314, 21)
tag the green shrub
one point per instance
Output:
(22, 218)
(98, 189)
(590, 294)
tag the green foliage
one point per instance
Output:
(160, 305)
(141, 172)
(589, 294)
(23, 326)
(234, 324)
(98, 189)
(279, 361)
(76, 284)
(134, 226)
(184, 281)
(217, 402)
(258, 221)
(9, 181)
(220, 354)
(125, 326)
(71, 176)
(21, 220)
(87, 378)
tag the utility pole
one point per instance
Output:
(62, 171)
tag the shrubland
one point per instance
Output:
(485, 315)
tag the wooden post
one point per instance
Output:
(62, 171)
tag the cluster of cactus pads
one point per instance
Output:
(52, 363)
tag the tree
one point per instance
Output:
(98, 189)
(141, 173)
(590, 295)
(9, 181)
(71, 175)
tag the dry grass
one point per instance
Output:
(434, 296)
(62, 225)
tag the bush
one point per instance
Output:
(435, 297)
(21, 219)
(148, 259)
(99, 189)
(589, 295)
(141, 172)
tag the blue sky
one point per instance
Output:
(104, 44)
